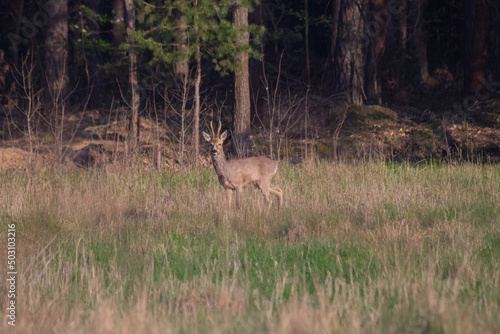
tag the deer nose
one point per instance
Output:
(214, 150)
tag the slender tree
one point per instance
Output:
(403, 26)
(94, 60)
(335, 27)
(56, 50)
(197, 84)
(306, 37)
(181, 67)
(241, 120)
(377, 32)
(419, 40)
(19, 12)
(399, 66)
(257, 87)
(133, 135)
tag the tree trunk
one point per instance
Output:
(181, 67)
(476, 67)
(197, 83)
(119, 10)
(56, 51)
(133, 135)
(402, 52)
(119, 29)
(376, 48)
(469, 17)
(257, 87)
(419, 39)
(20, 12)
(349, 63)
(396, 41)
(196, 126)
(95, 60)
(306, 36)
(335, 26)
(241, 120)
(403, 25)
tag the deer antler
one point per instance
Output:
(212, 128)
(218, 131)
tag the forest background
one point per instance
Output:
(393, 79)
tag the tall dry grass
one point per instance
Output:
(368, 248)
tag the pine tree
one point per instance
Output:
(208, 32)
(241, 119)
(349, 59)
(133, 136)
(376, 49)
(56, 51)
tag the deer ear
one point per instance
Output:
(206, 136)
(223, 136)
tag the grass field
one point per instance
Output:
(367, 248)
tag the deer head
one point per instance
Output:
(215, 141)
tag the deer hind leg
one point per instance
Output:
(279, 193)
(229, 196)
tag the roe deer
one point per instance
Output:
(238, 173)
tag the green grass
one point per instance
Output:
(367, 248)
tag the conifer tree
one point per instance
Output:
(208, 32)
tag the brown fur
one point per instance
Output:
(239, 173)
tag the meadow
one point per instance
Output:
(358, 248)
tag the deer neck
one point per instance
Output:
(220, 163)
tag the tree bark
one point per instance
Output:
(403, 25)
(349, 63)
(133, 135)
(306, 36)
(419, 38)
(197, 83)
(335, 26)
(396, 41)
(95, 60)
(469, 17)
(476, 66)
(402, 50)
(257, 88)
(19, 11)
(119, 26)
(377, 30)
(196, 126)
(56, 50)
(241, 120)
(181, 67)
(119, 10)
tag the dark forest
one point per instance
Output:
(397, 79)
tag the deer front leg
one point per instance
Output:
(229, 196)
(239, 192)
